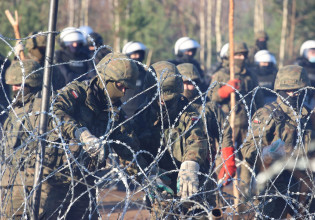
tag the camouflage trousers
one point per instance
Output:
(58, 199)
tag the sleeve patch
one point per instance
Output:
(194, 118)
(256, 120)
(75, 94)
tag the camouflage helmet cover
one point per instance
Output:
(119, 68)
(261, 34)
(189, 70)
(36, 41)
(291, 77)
(14, 75)
(171, 84)
(239, 47)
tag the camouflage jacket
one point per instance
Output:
(184, 140)
(218, 126)
(78, 105)
(268, 125)
(248, 83)
(21, 140)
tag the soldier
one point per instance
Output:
(98, 42)
(20, 142)
(266, 69)
(36, 47)
(245, 81)
(185, 49)
(275, 136)
(307, 59)
(74, 54)
(175, 139)
(261, 40)
(214, 120)
(136, 51)
(4, 99)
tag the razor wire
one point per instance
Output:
(111, 192)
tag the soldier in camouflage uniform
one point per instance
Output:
(261, 40)
(274, 137)
(217, 126)
(20, 143)
(36, 47)
(175, 139)
(89, 111)
(245, 81)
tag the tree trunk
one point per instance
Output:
(71, 13)
(116, 26)
(209, 34)
(261, 10)
(292, 30)
(202, 33)
(259, 16)
(283, 32)
(218, 26)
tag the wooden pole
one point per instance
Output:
(232, 119)
(15, 25)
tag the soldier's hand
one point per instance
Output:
(19, 47)
(225, 91)
(229, 168)
(91, 144)
(187, 181)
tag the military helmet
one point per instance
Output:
(224, 50)
(309, 44)
(36, 41)
(171, 85)
(239, 47)
(14, 75)
(185, 43)
(71, 34)
(189, 70)
(132, 47)
(86, 30)
(261, 34)
(265, 56)
(291, 77)
(119, 68)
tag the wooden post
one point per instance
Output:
(232, 119)
(15, 25)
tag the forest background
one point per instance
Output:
(159, 23)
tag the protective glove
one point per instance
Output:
(91, 144)
(18, 48)
(187, 181)
(274, 151)
(159, 187)
(225, 91)
(228, 169)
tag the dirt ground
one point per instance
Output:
(113, 202)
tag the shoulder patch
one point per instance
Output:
(75, 94)
(256, 121)
(194, 118)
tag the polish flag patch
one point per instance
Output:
(194, 118)
(256, 121)
(75, 94)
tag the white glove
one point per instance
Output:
(18, 48)
(91, 144)
(187, 181)
(274, 151)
